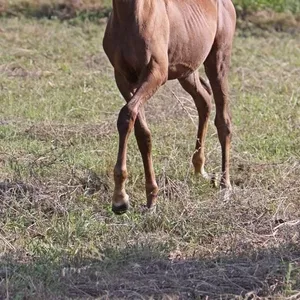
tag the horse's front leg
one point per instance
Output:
(155, 75)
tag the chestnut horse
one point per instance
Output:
(151, 41)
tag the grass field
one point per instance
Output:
(275, 11)
(58, 145)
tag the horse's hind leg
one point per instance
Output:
(217, 70)
(143, 138)
(202, 100)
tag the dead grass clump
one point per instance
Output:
(172, 189)
(18, 188)
(16, 70)
(61, 9)
(278, 21)
(63, 132)
(53, 197)
(96, 62)
(271, 20)
(91, 182)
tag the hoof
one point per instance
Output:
(226, 186)
(206, 176)
(120, 209)
(226, 195)
(214, 180)
(148, 210)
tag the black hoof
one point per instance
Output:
(120, 209)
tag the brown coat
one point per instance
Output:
(151, 41)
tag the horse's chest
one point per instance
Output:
(131, 58)
(126, 50)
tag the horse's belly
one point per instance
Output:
(192, 33)
(179, 71)
(185, 58)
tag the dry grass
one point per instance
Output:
(58, 143)
(247, 248)
(270, 20)
(61, 9)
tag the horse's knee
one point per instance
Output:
(224, 125)
(126, 119)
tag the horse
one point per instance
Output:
(151, 41)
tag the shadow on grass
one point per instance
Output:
(142, 272)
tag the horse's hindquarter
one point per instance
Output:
(193, 26)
